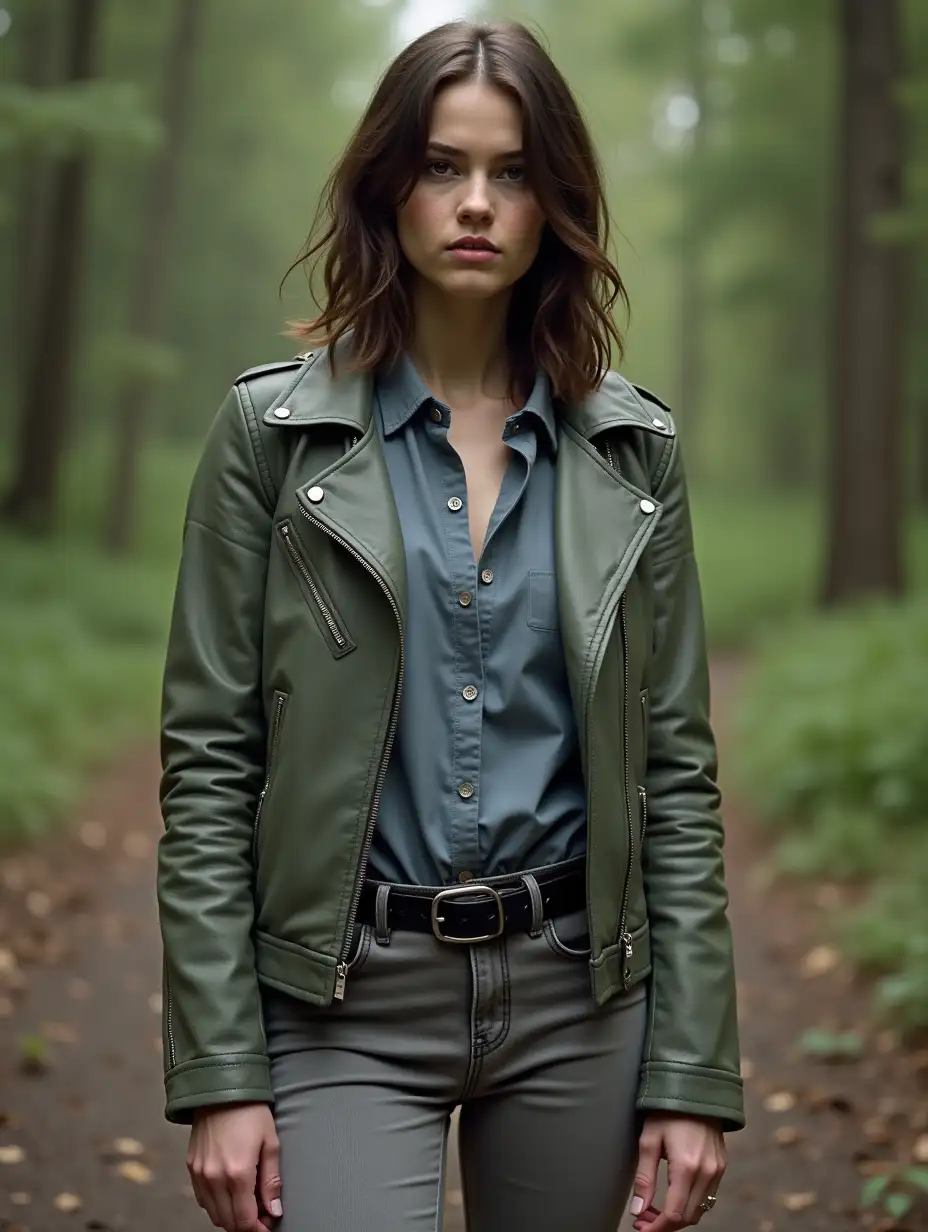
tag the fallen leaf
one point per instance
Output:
(767, 1225)
(154, 1002)
(786, 1135)
(136, 845)
(132, 1170)
(59, 1032)
(19, 1198)
(887, 1041)
(920, 1149)
(93, 835)
(819, 961)
(748, 1069)
(780, 1101)
(38, 903)
(128, 1146)
(877, 1131)
(12, 1154)
(798, 1201)
(78, 989)
(68, 1202)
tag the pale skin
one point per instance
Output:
(473, 184)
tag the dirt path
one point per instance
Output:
(80, 983)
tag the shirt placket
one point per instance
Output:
(472, 581)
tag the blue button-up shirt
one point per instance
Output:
(485, 774)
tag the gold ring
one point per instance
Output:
(709, 1203)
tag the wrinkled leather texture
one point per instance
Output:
(281, 678)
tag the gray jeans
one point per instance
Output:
(507, 1030)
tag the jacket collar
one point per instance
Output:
(314, 397)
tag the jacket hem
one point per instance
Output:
(607, 972)
(294, 969)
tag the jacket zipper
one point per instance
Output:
(300, 565)
(341, 976)
(279, 705)
(625, 937)
(172, 1053)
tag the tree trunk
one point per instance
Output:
(31, 502)
(692, 303)
(38, 70)
(148, 294)
(866, 496)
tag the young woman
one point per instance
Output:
(439, 788)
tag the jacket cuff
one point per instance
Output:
(693, 1089)
(225, 1079)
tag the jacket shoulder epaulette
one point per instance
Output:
(280, 365)
(646, 393)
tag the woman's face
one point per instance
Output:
(472, 190)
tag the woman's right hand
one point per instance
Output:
(234, 1164)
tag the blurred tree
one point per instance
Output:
(866, 488)
(46, 410)
(148, 292)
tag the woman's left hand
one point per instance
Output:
(694, 1148)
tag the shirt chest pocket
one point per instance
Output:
(542, 600)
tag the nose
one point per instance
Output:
(475, 203)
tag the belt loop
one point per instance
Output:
(381, 928)
(538, 907)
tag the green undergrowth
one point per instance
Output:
(83, 638)
(832, 738)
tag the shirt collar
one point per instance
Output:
(402, 392)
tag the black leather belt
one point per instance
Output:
(477, 910)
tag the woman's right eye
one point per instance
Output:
(438, 167)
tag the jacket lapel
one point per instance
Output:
(351, 499)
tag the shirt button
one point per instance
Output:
(465, 877)
(469, 692)
(435, 413)
(647, 506)
(466, 790)
(455, 503)
(464, 598)
(486, 576)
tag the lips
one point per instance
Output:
(474, 243)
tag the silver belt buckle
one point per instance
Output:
(455, 892)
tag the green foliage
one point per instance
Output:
(81, 117)
(833, 749)
(83, 640)
(831, 1046)
(898, 1188)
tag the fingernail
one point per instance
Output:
(276, 1208)
(637, 1206)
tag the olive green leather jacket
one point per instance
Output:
(283, 678)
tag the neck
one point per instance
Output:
(459, 346)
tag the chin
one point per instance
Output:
(472, 284)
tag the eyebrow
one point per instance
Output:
(453, 151)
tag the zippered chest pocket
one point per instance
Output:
(331, 625)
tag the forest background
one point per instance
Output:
(767, 164)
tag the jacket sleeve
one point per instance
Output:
(691, 1062)
(212, 755)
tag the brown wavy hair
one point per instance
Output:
(560, 314)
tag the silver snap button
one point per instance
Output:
(658, 423)
(464, 598)
(282, 412)
(647, 506)
(315, 495)
(455, 503)
(436, 414)
(469, 693)
(486, 576)
(466, 790)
